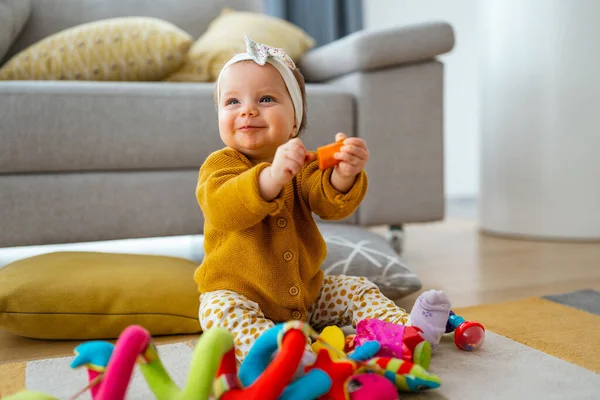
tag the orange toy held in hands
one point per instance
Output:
(325, 154)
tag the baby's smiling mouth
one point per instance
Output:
(250, 128)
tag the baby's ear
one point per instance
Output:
(294, 133)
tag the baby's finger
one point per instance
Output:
(299, 147)
(339, 136)
(294, 162)
(294, 142)
(348, 158)
(309, 157)
(356, 142)
(356, 151)
(295, 152)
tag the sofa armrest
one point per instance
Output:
(399, 112)
(367, 50)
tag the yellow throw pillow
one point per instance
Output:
(90, 295)
(225, 37)
(118, 49)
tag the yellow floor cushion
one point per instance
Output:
(116, 49)
(93, 295)
(225, 37)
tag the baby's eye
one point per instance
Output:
(266, 99)
(231, 101)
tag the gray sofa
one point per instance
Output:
(93, 161)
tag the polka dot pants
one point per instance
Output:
(343, 300)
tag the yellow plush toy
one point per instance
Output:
(334, 337)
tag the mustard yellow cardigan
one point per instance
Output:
(268, 251)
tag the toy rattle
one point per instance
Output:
(325, 154)
(468, 335)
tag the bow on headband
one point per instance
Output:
(259, 53)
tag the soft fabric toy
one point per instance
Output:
(397, 341)
(331, 340)
(404, 374)
(291, 339)
(371, 386)
(350, 344)
(324, 378)
(213, 368)
(109, 369)
(331, 379)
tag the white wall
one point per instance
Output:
(461, 80)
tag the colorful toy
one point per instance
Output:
(258, 365)
(350, 344)
(109, 368)
(331, 379)
(371, 386)
(331, 340)
(213, 368)
(468, 335)
(406, 375)
(325, 154)
(397, 341)
(266, 373)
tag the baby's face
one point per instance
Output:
(256, 113)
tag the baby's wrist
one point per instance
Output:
(345, 178)
(273, 177)
(268, 186)
(341, 182)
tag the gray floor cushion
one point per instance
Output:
(352, 250)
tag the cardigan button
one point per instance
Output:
(296, 314)
(288, 256)
(281, 222)
(294, 290)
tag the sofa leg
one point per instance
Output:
(395, 235)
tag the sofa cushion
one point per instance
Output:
(112, 126)
(352, 250)
(225, 37)
(13, 15)
(88, 295)
(119, 49)
(51, 16)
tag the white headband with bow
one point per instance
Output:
(261, 54)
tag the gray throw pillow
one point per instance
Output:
(13, 15)
(356, 251)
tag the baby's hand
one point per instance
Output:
(353, 156)
(289, 159)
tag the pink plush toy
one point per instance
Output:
(371, 386)
(397, 341)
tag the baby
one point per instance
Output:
(263, 247)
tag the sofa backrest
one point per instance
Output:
(193, 16)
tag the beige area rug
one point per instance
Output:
(549, 350)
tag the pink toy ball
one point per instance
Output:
(469, 336)
(371, 386)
